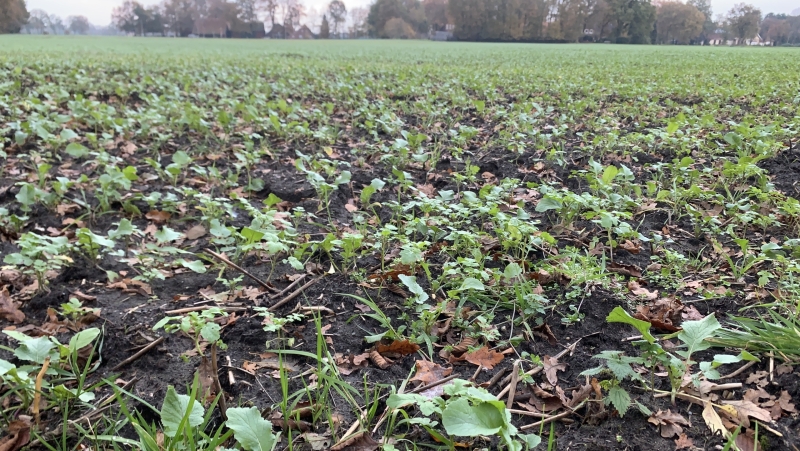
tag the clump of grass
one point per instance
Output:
(781, 336)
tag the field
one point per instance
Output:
(397, 245)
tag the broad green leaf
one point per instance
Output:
(619, 315)
(609, 173)
(31, 349)
(512, 270)
(195, 265)
(83, 338)
(672, 127)
(124, 228)
(210, 332)
(249, 429)
(548, 203)
(344, 177)
(67, 134)
(76, 150)
(175, 408)
(411, 283)
(181, 158)
(398, 401)
(471, 283)
(272, 200)
(462, 419)
(251, 235)
(620, 399)
(166, 235)
(695, 333)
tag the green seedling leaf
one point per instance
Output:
(398, 401)
(462, 419)
(695, 333)
(175, 408)
(124, 228)
(83, 338)
(619, 398)
(166, 235)
(343, 178)
(548, 203)
(76, 150)
(619, 315)
(251, 431)
(67, 134)
(30, 349)
(272, 200)
(672, 127)
(471, 283)
(251, 235)
(512, 270)
(420, 296)
(196, 265)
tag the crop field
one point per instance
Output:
(393, 245)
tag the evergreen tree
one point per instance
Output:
(325, 28)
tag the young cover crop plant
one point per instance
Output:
(397, 245)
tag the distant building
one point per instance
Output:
(303, 33)
(210, 28)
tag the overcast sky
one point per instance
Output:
(99, 11)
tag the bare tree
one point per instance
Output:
(338, 13)
(78, 24)
(743, 21)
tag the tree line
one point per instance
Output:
(619, 21)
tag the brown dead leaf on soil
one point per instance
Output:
(668, 423)
(205, 374)
(429, 372)
(19, 434)
(398, 347)
(484, 357)
(196, 232)
(9, 309)
(630, 246)
(551, 368)
(638, 290)
(158, 216)
(663, 314)
(359, 442)
(625, 270)
(683, 442)
(348, 364)
(743, 410)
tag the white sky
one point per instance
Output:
(99, 11)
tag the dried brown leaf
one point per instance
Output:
(625, 270)
(683, 442)
(9, 309)
(398, 347)
(551, 368)
(669, 423)
(19, 434)
(484, 357)
(359, 442)
(158, 216)
(196, 232)
(428, 372)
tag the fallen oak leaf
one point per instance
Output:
(9, 309)
(484, 357)
(19, 434)
(429, 372)
(158, 216)
(638, 290)
(625, 270)
(399, 347)
(683, 441)
(359, 442)
(668, 423)
(551, 369)
(745, 409)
